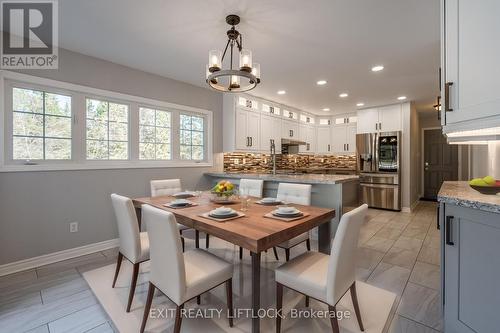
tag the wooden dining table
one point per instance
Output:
(253, 232)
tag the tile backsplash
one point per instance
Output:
(253, 162)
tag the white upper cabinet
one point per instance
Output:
(323, 140)
(344, 138)
(390, 118)
(367, 121)
(290, 129)
(470, 53)
(247, 130)
(270, 129)
(307, 134)
(382, 119)
(351, 132)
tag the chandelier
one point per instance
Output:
(245, 77)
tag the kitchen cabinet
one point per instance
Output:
(307, 134)
(270, 129)
(247, 130)
(290, 129)
(470, 89)
(382, 119)
(323, 140)
(471, 268)
(344, 138)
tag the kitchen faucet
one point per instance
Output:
(273, 155)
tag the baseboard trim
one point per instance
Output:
(406, 209)
(51, 258)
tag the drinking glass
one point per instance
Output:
(244, 198)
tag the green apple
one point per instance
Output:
(478, 182)
(489, 180)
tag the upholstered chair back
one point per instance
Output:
(165, 187)
(128, 227)
(251, 187)
(167, 268)
(342, 262)
(299, 194)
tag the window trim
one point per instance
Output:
(78, 95)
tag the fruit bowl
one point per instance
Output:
(486, 185)
(487, 189)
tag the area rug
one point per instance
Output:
(376, 304)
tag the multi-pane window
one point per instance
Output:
(107, 130)
(155, 134)
(41, 125)
(192, 131)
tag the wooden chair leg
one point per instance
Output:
(354, 296)
(207, 241)
(279, 305)
(276, 253)
(287, 254)
(333, 319)
(147, 308)
(241, 253)
(183, 244)
(308, 244)
(198, 299)
(135, 273)
(307, 301)
(118, 265)
(197, 239)
(178, 318)
(229, 296)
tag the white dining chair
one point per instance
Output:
(180, 276)
(134, 245)
(299, 194)
(162, 187)
(323, 277)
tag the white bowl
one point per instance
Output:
(223, 211)
(287, 210)
(268, 200)
(179, 202)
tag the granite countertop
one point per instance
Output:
(461, 194)
(301, 178)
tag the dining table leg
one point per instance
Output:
(324, 237)
(138, 213)
(255, 291)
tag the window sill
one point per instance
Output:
(103, 166)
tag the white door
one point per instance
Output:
(270, 128)
(367, 121)
(472, 53)
(390, 118)
(323, 139)
(339, 139)
(311, 139)
(242, 141)
(290, 129)
(253, 130)
(351, 131)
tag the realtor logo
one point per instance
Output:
(29, 39)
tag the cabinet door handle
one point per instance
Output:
(328, 147)
(251, 141)
(347, 147)
(376, 126)
(449, 223)
(447, 86)
(379, 126)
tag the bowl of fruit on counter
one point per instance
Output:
(223, 192)
(486, 185)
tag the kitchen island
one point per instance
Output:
(470, 248)
(339, 192)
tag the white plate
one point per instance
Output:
(269, 200)
(221, 211)
(287, 210)
(185, 194)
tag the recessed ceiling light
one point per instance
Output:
(321, 82)
(343, 95)
(360, 104)
(326, 109)
(401, 98)
(377, 68)
(281, 92)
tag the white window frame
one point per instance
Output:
(78, 95)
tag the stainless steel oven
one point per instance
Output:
(379, 168)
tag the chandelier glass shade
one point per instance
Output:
(242, 78)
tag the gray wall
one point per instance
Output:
(37, 207)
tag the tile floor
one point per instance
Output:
(397, 251)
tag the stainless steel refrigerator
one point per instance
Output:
(379, 169)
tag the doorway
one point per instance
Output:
(440, 162)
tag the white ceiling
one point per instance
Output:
(297, 42)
